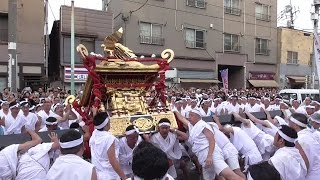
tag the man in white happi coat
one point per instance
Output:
(45, 112)
(244, 144)
(263, 140)
(233, 106)
(9, 156)
(71, 165)
(51, 125)
(105, 150)
(230, 153)
(31, 119)
(297, 108)
(252, 106)
(287, 159)
(168, 142)
(210, 156)
(205, 108)
(63, 115)
(4, 111)
(126, 147)
(314, 123)
(35, 163)
(307, 144)
(14, 122)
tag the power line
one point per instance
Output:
(139, 7)
(52, 11)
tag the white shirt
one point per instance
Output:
(255, 108)
(100, 143)
(169, 145)
(311, 148)
(125, 155)
(245, 145)
(233, 109)
(9, 162)
(34, 164)
(14, 125)
(44, 117)
(31, 120)
(70, 167)
(289, 164)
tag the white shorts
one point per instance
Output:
(217, 167)
(233, 162)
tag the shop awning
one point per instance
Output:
(199, 80)
(263, 83)
(297, 79)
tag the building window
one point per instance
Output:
(3, 27)
(292, 57)
(151, 34)
(263, 12)
(262, 47)
(231, 43)
(195, 38)
(196, 3)
(232, 7)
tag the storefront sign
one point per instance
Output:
(80, 74)
(261, 76)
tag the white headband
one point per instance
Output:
(195, 111)
(280, 120)
(102, 125)
(164, 124)
(132, 131)
(285, 137)
(51, 123)
(71, 144)
(14, 106)
(309, 106)
(316, 121)
(297, 122)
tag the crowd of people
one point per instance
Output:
(284, 148)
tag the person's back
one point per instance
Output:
(70, 164)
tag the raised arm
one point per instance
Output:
(35, 140)
(210, 136)
(256, 120)
(269, 117)
(111, 153)
(217, 120)
(182, 119)
(180, 135)
(237, 117)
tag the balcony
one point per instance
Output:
(263, 17)
(195, 44)
(152, 40)
(293, 61)
(196, 3)
(232, 49)
(260, 51)
(4, 35)
(232, 11)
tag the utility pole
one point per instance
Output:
(315, 19)
(12, 46)
(72, 48)
(46, 48)
(105, 5)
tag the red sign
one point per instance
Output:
(261, 76)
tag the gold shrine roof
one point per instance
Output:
(119, 66)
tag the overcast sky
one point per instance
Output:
(302, 20)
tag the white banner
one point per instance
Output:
(317, 52)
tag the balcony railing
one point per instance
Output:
(260, 51)
(263, 17)
(233, 11)
(292, 61)
(3, 35)
(196, 3)
(235, 49)
(152, 40)
(195, 44)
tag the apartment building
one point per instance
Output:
(295, 58)
(207, 37)
(91, 27)
(30, 43)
